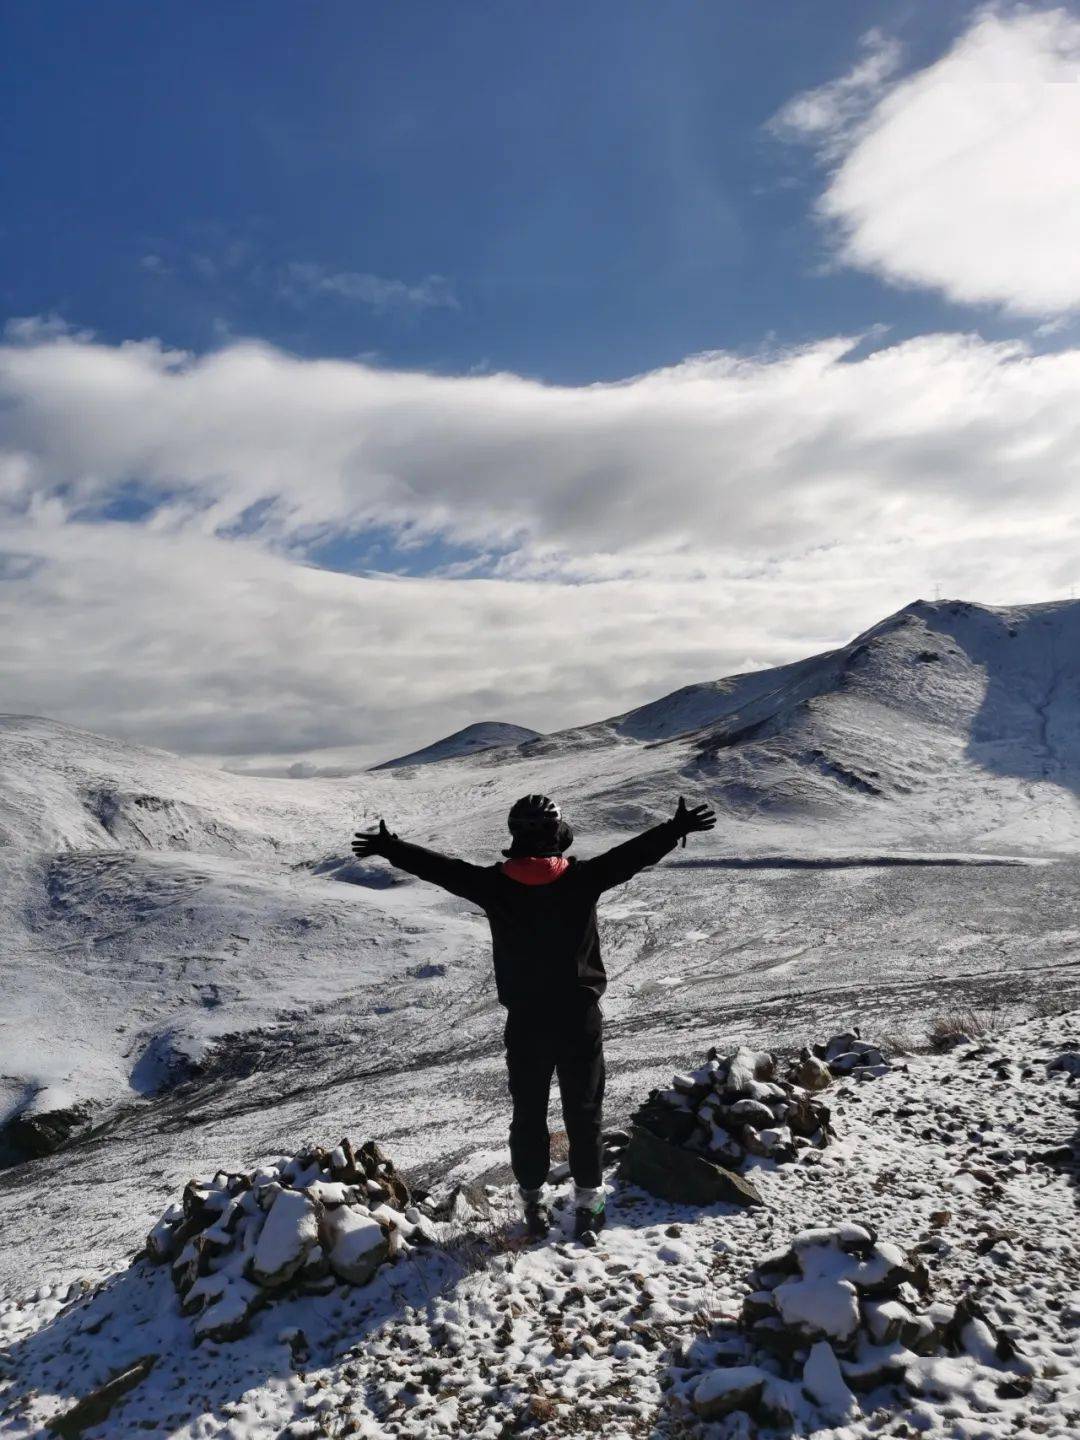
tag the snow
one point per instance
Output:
(448, 1344)
(821, 1306)
(825, 1384)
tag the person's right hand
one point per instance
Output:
(371, 843)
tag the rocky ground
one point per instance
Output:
(968, 1160)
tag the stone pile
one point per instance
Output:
(847, 1054)
(836, 1315)
(735, 1107)
(302, 1225)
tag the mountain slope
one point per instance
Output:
(160, 921)
(485, 735)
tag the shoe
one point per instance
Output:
(588, 1219)
(537, 1214)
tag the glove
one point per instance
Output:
(688, 822)
(364, 845)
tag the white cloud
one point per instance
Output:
(827, 114)
(649, 533)
(304, 279)
(965, 176)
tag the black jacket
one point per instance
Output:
(545, 943)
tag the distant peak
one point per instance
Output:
(481, 735)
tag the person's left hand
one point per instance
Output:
(366, 843)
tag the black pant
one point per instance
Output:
(571, 1045)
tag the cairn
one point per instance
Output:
(836, 1315)
(301, 1226)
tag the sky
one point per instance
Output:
(370, 370)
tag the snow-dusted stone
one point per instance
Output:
(290, 1232)
(851, 1238)
(735, 1387)
(746, 1066)
(230, 1314)
(807, 1117)
(820, 1307)
(886, 1269)
(876, 1365)
(1068, 1063)
(885, 1319)
(826, 1386)
(162, 1243)
(355, 1244)
(751, 1112)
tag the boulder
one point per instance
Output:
(671, 1173)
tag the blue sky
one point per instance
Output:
(369, 370)
(593, 183)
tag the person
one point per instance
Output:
(549, 975)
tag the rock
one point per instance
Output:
(736, 1387)
(871, 1371)
(885, 1319)
(841, 1044)
(290, 1232)
(758, 1305)
(751, 1112)
(810, 1073)
(671, 1173)
(826, 1386)
(1068, 1063)
(92, 1409)
(355, 1244)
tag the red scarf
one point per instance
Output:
(535, 869)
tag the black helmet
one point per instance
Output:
(531, 812)
(538, 828)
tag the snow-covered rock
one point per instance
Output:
(356, 1244)
(290, 1233)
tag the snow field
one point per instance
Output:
(488, 1339)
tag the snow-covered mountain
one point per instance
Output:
(485, 735)
(196, 957)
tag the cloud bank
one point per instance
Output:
(964, 177)
(158, 512)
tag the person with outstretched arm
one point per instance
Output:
(541, 907)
